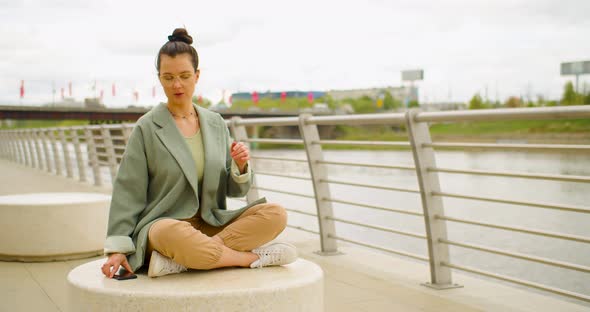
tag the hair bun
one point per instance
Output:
(180, 34)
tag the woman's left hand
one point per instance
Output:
(240, 154)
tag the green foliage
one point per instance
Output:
(290, 104)
(513, 102)
(389, 102)
(476, 102)
(362, 105)
(44, 123)
(205, 101)
(413, 104)
(570, 96)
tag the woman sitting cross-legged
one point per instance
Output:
(168, 205)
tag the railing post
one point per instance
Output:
(126, 129)
(17, 149)
(93, 157)
(30, 140)
(310, 134)
(58, 169)
(13, 150)
(2, 146)
(36, 138)
(440, 277)
(110, 150)
(20, 153)
(79, 156)
(65, 150)
(240, 134)
(5, 146)
(23, 145)
(44, 142)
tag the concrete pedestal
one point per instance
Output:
(294, 287)
(52, 226)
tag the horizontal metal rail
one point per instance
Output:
(562, 112)
(357, 120)
(275, 141)
(282, 192)
(534, 147)
(343, 163)
(370, 186)
(282, 175)
(273, 121)
(301, 212)
(569, 237)
(516, 255)
(518, 281)
(302, 229)
(412, 213)
(278, 158)
(554, 177)
(571, 208)
(397, 252)
(380, 228)
(369, 143)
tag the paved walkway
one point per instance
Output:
(357, 280)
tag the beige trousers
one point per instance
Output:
(189, 241)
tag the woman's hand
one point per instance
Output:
(115, 260)
(240, 154)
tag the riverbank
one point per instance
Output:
(576, 131)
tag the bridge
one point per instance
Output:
(96, 115)
(361, 274)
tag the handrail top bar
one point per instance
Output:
(358, 119)
(569, 112)
(272, 121)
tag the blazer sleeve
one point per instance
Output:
(129, 196)
(238, 184)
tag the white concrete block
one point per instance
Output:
(52, 226)
(294, 287)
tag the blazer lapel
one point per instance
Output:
(176, 145)
(213, 143)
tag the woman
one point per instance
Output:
(168, 205)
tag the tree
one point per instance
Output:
(570, 97)
(476, 102)
(513, 102)
(389, 102)
(204, 101)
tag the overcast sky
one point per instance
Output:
(514, 47)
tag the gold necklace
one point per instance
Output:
(181, 116)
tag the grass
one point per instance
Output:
(23, 124)
(512, 127)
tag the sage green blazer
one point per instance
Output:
(157, 179)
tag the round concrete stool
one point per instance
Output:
(52, 226)
(294, 287)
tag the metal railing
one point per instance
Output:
(77, 149)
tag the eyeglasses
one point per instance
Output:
(169, 79)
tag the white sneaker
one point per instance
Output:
(160, 265)
(274, 254)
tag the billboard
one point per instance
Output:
(412, 75)
(575, 68)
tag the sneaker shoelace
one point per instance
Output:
(269, 257)
(170, 266)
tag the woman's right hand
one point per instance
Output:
(114, 261)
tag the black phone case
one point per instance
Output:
(124, 277)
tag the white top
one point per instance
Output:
(52, 198)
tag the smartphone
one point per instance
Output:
(125, 276)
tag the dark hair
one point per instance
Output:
(179, 42)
